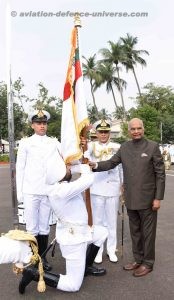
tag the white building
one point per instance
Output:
(116, 130)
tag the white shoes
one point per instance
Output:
(112, 257)
(98, 259)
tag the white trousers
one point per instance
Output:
(12, 251)
(75, 256)
(37, 214)
(105, 212)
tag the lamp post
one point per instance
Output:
(10, 116)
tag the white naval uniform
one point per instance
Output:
(105, 191)
(32, 157)
(72, 230)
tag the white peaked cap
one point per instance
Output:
(39, 114)
(55, 168)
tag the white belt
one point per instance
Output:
(74, 228)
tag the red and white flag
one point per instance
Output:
(74, 110)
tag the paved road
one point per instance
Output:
(117, 284)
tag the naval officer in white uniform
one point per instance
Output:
(78, 242)
(32, 156)
(105, 190)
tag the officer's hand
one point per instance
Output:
(85, 169)
(68, 174)
(20, 199)
(156, 204)
(92, 164)
(83, 141)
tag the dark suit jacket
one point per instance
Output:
(143, 170)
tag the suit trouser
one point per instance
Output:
(105, 211)
(75, 256)
(143, 233)
(37, 214)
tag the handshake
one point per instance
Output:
(80, 168)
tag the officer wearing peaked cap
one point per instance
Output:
(39, 116)
(103, 125)
(106, 187)
(144, 186)
(78, 242)
(32, 157)
(92, 135)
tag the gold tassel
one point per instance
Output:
(41, 287)
(20, 235)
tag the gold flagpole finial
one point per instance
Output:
(77, 21)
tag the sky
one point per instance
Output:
(40, 45)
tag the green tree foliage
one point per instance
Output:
(114, 55)
(3, 111)
(93, 116)
(21, 126)
(90, 72)
(107, 76)
(132, 56)
(150, 118)
(54, 106)
(19, 122)
(161, 99)
(17, 87)
(167, 129)
(54, 125)
(119, 113)
(103, 114)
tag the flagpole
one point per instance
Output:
(10, 116)
(77, 24)
(87, 192)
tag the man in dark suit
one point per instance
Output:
(144, 185)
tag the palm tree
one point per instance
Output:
(103, 114)
(132, 56)
(89, 72)
(106, 74)
(93, 115)
(119, 113)
(114, 56)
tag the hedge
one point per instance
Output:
(4, 158)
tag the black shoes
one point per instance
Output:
(42, 247)
(29, 274)
(91, 253)
(51, 279)
(46, 266)
(91, 270)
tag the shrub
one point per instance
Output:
(4, 158)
